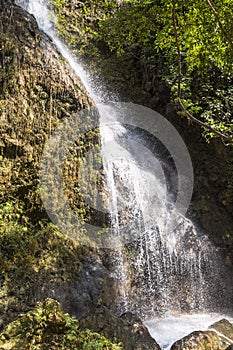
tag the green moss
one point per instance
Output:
(8, 61)
(47, 327)
(39, 91)
(25, 250)
(78, 23)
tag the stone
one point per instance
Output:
(224, 327)
(202, 340)
(48, 327)
(128, 329)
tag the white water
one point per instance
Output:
(158, 271)
(46, 21)
(169, 329)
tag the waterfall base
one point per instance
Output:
(169, 329)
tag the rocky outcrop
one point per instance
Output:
(199, 340)
(139, 79)
(47, 327)
(46, 264)
(218, 337)
(223, 327)
(127, 329)
(38, 91)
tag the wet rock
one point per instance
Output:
(38, 90)
(223, 327)
(48, 327)
(128, 329)
(207, 340)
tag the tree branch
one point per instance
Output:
(227, 138)
(174, 18)
(224, 32)
(206, 126)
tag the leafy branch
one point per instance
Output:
(190, 116)
(218, 20)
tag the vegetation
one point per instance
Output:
(37, 91)
(192, 39)
(47, 327)
(195, 40)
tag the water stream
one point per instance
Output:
(159, 271)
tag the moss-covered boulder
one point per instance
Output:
(218, 337)
(199, 340)
(47, 327)
(127, 329)
(223, 327)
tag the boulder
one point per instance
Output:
(224, 327)
(128, 329)
(218, 337)
(198, 340)
(47, 327)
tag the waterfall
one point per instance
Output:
(159, 269)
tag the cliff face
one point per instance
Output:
(38, 91)
(138, 78)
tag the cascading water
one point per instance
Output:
(159, 270)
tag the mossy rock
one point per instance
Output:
(128, 329)
(47, 327)
(218, 337)
(39, 90)
(224, 327)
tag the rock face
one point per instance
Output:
(38, 91)
(47, 327)
(127, 329)
(138, 78)
(224, 327)
(219, 337)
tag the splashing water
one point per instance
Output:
(158, 269)
(169, 329)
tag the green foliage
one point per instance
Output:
(26, 246)
(15, 237)
(77, 23)
(47, 327)
(59, 3)
(146, 28)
